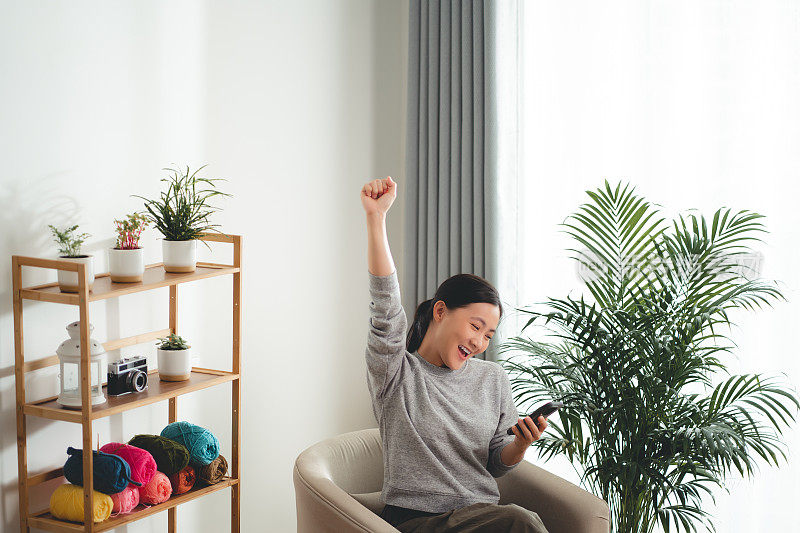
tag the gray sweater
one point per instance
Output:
(442, 429)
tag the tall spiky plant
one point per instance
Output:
(653, 420)
(182, 211)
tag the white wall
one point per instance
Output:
(296, 104)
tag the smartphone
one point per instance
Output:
(546, 410)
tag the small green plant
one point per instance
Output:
(182, 212)
(173, 342)
(69, 243)
(129, 230)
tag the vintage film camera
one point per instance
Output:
(127, 375)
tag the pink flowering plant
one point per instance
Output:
(129, 230)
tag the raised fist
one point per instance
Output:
(378, 195)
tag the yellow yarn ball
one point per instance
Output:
(66, 503)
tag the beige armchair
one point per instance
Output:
(337, 485)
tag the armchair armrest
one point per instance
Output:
(323, 507)
(562, 506)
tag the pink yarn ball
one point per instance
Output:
(125, 501)
(157, 491)
(142, 464)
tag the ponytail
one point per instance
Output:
(422, 319)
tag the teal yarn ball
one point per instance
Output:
(203, 446)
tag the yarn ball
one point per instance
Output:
(127, 500)
(110, 473)
(203, 446)
(157, 491)
(183, 481)
(214, 472)
(170, 456)
(66, 503)
(142, 464)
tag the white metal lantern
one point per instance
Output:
(69, 358)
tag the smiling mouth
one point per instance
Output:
(463, 352)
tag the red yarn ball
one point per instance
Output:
(183, 481)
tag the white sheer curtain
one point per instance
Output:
(698, 105)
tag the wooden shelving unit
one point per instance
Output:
(201, 378)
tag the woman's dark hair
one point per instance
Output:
(456, 291)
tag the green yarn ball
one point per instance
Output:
(170, 456)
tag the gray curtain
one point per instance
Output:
(451, 152)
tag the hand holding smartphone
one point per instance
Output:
(545, 410)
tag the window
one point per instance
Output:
(698, 105)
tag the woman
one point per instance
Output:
(443, 415)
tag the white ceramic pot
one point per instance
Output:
(126, 266)
(179, 256)
(68, 281)
(174, 365)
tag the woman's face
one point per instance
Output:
(464, 332)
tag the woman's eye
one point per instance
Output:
(476, 327)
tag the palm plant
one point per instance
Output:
(653, 420)
(182, 212)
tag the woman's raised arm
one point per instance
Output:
(377, 196)
(386, 340)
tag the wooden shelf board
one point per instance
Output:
(44, 520)
(154, 277)
(156, 391)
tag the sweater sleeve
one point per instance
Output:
(386, 340)
(508, 417)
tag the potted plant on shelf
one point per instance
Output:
(174, 361)
(126, 259)
(69, 249)
(182, 214)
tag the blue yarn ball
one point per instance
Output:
(110, 473)
(203, 446)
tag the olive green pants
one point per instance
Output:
(475, 518)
